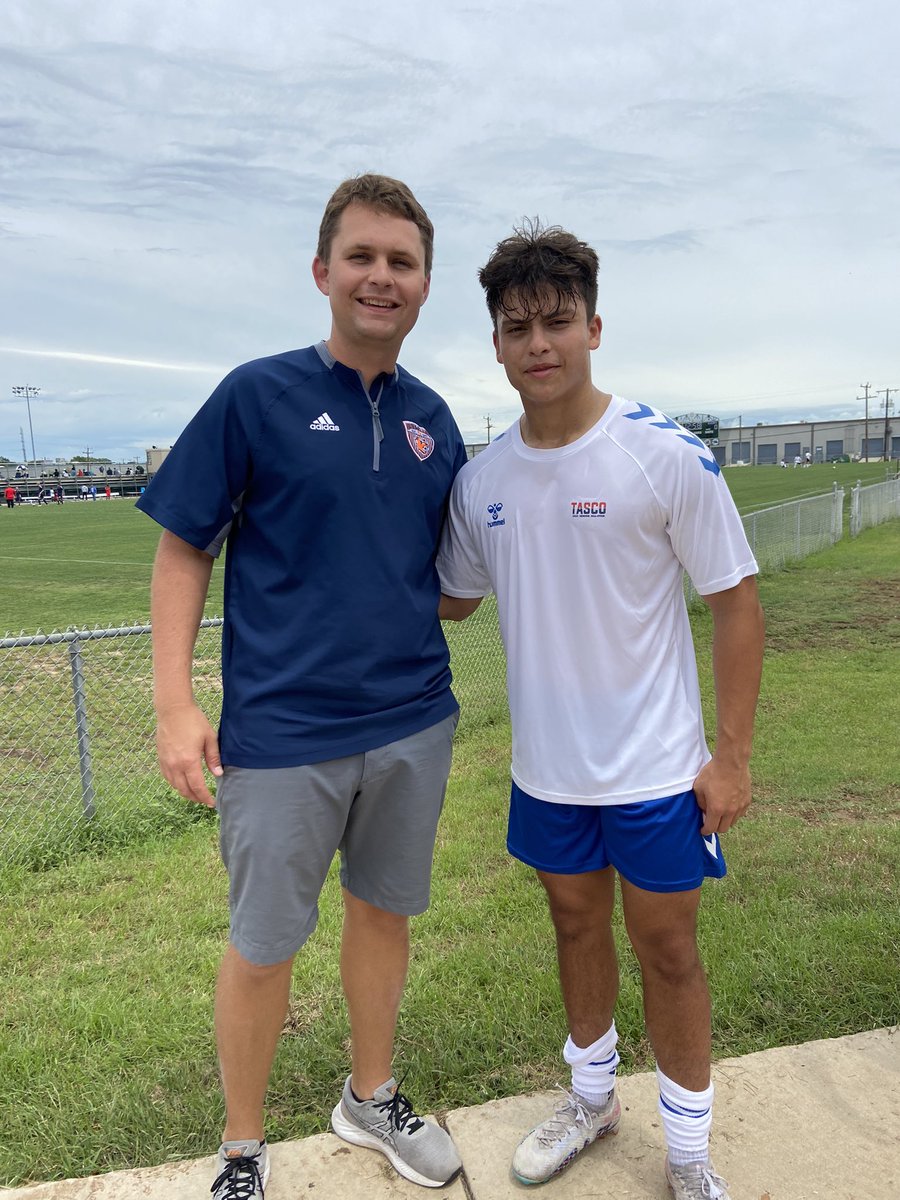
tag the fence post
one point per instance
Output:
(854, 508)
(81, 729)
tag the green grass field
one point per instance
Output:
(89, 563)
(106, 1051)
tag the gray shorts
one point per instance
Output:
(280, 827)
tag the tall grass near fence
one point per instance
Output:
(106, 1054)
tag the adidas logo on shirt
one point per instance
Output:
(325, 422)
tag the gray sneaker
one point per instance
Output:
(242, 1171)
(552, 1145)
(418, 1150)
(696, 1181)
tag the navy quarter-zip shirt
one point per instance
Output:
(331, 500)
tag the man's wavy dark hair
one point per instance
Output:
(535, 262)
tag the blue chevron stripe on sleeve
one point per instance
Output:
(644, 410)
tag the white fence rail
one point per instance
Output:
(788, 532)
(873, 504)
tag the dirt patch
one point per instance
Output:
(303, 1012)
(840, 614)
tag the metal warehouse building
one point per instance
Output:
(825, 441)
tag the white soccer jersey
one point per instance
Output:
(585, 548)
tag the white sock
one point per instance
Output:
(594, 1068)
(687, 1119)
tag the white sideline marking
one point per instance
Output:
(99, 562)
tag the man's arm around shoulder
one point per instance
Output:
(184, 737)
(723, 785)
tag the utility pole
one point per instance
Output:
(887, 404)
(22, 440)
(866, 387)
(489, 427)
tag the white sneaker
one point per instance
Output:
(552, 1146)
(696, 1181)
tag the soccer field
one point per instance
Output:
(85, 563)
(88, 563)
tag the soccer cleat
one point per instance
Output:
(243, 1171)
(418, 1150)
(696, 1181)
(553, 1145)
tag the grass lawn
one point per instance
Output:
(761, 487)
(89, 563)
(106, 1052)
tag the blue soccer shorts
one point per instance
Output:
(654, 844)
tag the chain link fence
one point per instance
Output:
(873, 504)
(77, 754)
(788, 532)
(77, 750)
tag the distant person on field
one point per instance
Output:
(328, 470)
(582, 518)
(10, 496)
(108, 491)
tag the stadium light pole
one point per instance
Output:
(28, 391)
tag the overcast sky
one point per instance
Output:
(163, 168)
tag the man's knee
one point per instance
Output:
(363, 916)
(252, 974)
(670, 954)
(578, 903)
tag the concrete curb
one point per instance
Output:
(796, 1123)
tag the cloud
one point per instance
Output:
(163, 168)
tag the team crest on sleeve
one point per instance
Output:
(420, 440)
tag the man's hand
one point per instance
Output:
(723, 793)
(184, 741)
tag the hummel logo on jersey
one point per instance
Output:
(325, 422)
(588, 508)
(710, 844)
(494, 511)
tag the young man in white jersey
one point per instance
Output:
(582, 518)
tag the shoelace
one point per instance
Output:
(400, 1112)
(711, 1185)
(558, 1125)
(240, 1179)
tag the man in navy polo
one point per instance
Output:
(327, 470)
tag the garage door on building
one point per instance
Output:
(834, 448)
(767, 456)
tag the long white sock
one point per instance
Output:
(687, 1119)
(594, 1067)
